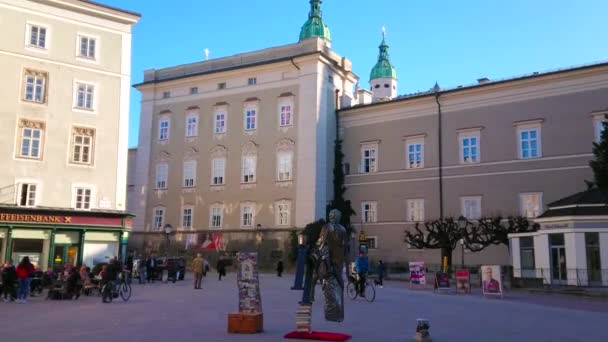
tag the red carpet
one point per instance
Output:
(318, 336)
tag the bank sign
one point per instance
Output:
(32, 218)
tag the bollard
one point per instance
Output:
(422, 330)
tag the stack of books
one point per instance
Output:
(304, 318)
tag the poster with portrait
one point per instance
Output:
(248, 281)
(442, 281)
(417, 273)
(463, 280)
(491, 280)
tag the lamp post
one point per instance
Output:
(462, 224)
(168, 230)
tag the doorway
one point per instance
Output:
(594, 262)
(65, 255)
(559, 270)
(31, 248)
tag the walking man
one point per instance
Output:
(280, 268)
(221, 269)
(381, 271)
(197, 268)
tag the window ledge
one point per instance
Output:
(284, 184)
(188, 189)
(216, 188)
(245, 186)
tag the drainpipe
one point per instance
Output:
(440, 141)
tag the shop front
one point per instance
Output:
(55, 238)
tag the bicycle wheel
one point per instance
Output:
(125, 291)
(351, 290)
(370, 292)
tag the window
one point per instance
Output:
(594, 257)
(38, 36)
(220, 123)
(35, 86)
(159, 218)
(166, 94)
(252, 81)
(247, 215)
(529, 141)
(249, 169)
(530, 204)
(82, 145)
(31, 142)
(372, 242)
(87, 47)
(469, 148)
(368, 210)
(282, 217)
(286, 116)
(284, 166)
(526, 252)
(85, 94)
(216, 216)
(83, 198)
(218, 166)
(221, 85)
(193, 90)
(192, 125)
(369, 158)
(189, 173)
(27, 195)
(162, 172)
(163, 129)
(187, 218)
(250, 118)
(599, 126)
(471, 207)
(415, 210)
(415, 153)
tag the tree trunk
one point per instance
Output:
(446, 252)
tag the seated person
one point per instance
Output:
(73, 284)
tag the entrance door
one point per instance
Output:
(64, 254)
(594, 263)
(558, 259)
(32, 248)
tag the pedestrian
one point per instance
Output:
(221, 269)
(380, 269)
(151, 268)
(129, 267)
(205, 267)
(197, 268)
(9, 279)
(280, 268)
(142, 270)
(74, 284)
(24, 269)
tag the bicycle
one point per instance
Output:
(353, 293)
(111, 289)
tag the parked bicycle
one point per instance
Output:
(114, 289)
(352, 290)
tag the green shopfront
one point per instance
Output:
(53, 238)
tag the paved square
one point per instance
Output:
(176, 312)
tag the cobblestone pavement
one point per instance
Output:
(176, 313)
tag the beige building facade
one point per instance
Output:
(65, 106)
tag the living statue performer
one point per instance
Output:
(329, 256)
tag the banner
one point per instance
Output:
(250, 299)
(491, 280)
(463, 280)
(212, 242)
(417, 272)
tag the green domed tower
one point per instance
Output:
(314, 26)
(383, 78)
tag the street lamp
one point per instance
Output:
(462, 224)
(168, 230)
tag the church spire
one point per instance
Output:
(314, 26)
(384, 68)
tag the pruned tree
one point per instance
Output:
(490, 231)
(599, 164)
(442, 234)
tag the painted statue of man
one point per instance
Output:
(330, 255)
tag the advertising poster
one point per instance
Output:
(463, 280)
(417, 273)
(442, 281)
(491, 280)
(248, 281)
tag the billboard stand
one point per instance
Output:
(491, 283)
(442, 282)
(463, 281)
(417, 274)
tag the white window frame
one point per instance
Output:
(283, 213)
(252, 81)
(189, 174)
(39, 92)
(212, 223)
(89, 38)
(598, 126)
(161, 176)
(31, 139)
(193, 90)
(251, 221)
(89, 96)
(90, 146)
(373, 160)
(284, 103)
(28, 37)
(463, 209)
(84, 187)
(184, 217)
(369, 215)
(167, 129)
(414, 142)
(217, 129)
(375, 239)
(166, 94)
(156, 225)
(247, 110)
(29, 201)
(217, 177)
(250, 177)
(284, 166)
(528, 128)
(468, 135)
(191, 127)
(415, 207)
(523, 199)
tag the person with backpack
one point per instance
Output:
(9, 279)
(24, 271)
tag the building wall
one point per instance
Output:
(109, 73)
(563, 105)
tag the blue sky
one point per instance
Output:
(451, 42)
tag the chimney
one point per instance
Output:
(483, 80)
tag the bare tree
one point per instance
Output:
(442, 234)
(490, 231)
